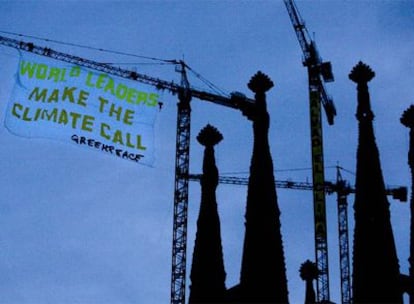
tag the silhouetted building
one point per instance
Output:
(207, 271)
(375, 263)
(263, 272)
(407, 119)
(309, 272)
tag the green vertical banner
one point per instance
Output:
(58, 100)
(317, 165)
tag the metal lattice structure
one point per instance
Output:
(344, 264)
(318, 72)
(185, 93)
(342, 189)
(182, 161)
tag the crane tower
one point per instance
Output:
(182, 159)
(342, 189)
(318, 73)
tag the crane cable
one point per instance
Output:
(210, 85)
(291, 170)
(171, 61)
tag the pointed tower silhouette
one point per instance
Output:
(309, 272)
(207, 271)
(407, 119)
(375, 263)
(263, 273)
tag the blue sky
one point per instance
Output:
(78, 226)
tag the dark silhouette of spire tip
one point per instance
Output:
(260, 83)
(209, 136)
(407, 118)
(308, 271)
(361, 73)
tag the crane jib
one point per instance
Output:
(236, 103)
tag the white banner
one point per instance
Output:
(57, 100)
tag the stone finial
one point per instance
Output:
(209, 136)
(361, 73)
(309, 271)
(260, 83)
(407, 118)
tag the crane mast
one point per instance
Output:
(185, 93)
(342, 204)
(182, 164)
(318, 72)
(342, 189)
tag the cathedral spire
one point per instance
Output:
(207, 271)
(407, 119)
(263, 273)
(309, 272)
(375, 262)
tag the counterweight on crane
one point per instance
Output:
(318, 73)
(185, 93)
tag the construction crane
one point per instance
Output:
(399, 193)
(185, 94)
(342, 189)
(318, 73)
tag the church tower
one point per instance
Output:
(375, 263)
(309, 272)
(207, 271)
(263, 272)
(407, 119)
